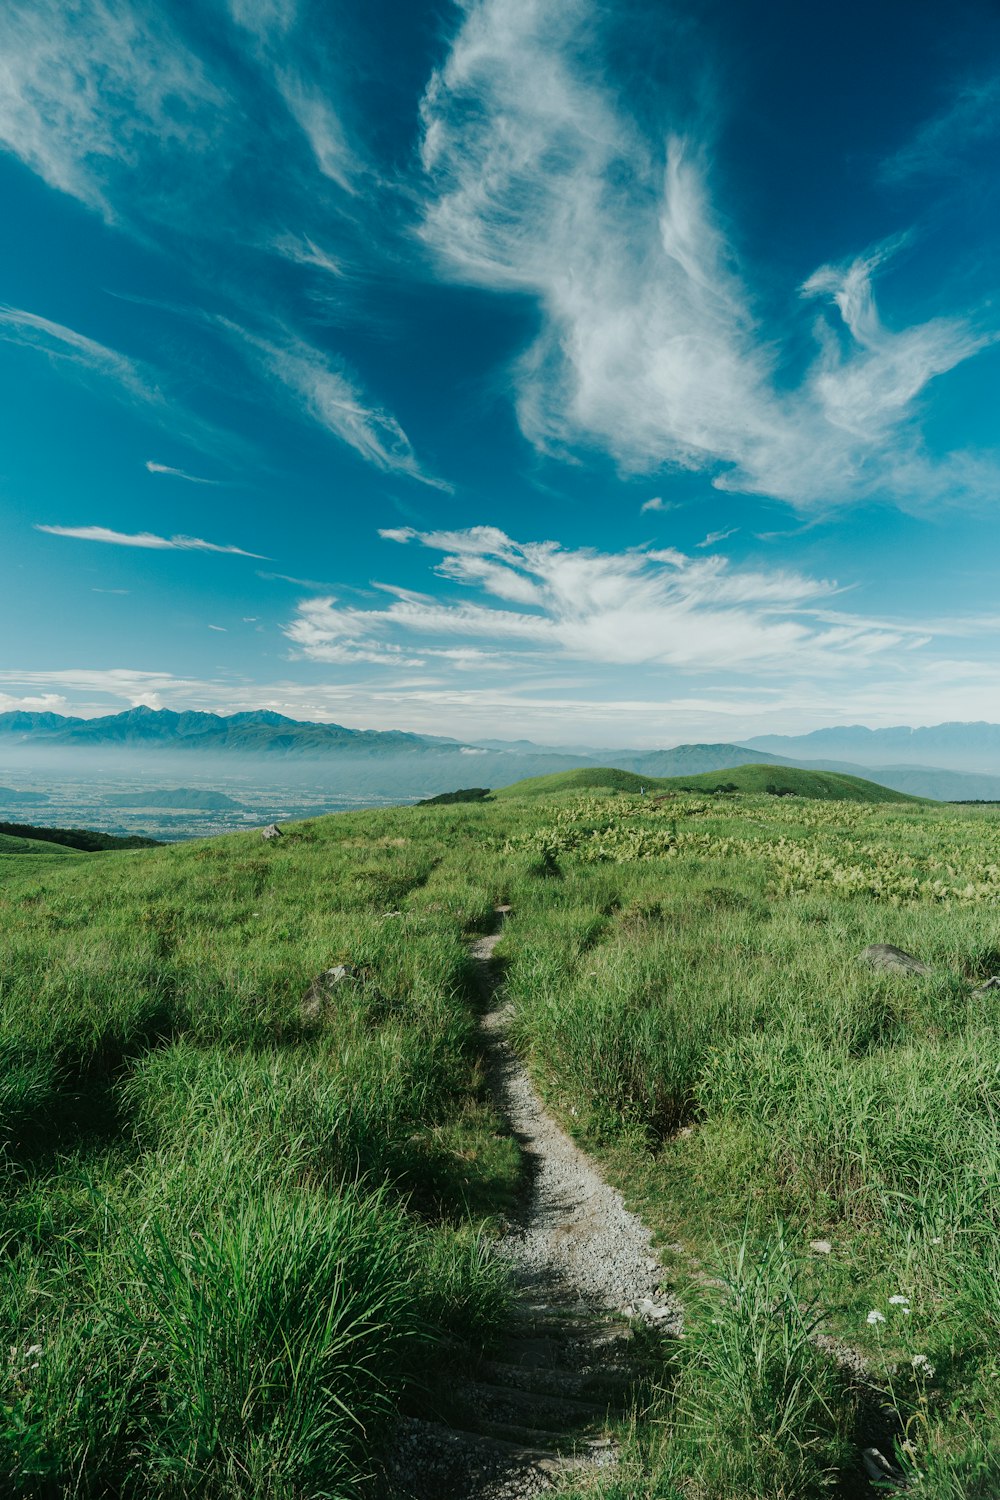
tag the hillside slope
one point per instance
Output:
(243, 1099)
(83, 840)
(14, 845)
(827, 786)
(791, 781)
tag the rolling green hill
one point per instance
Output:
(827, 786)
(11, 844)
(88, 840)
(790, 781)
(583, 779)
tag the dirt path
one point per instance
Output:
(577, 1240)
(586, 1274)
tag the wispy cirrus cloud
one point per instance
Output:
(540, 182)
(135, 382)
(864, 392)
(17, 326)
(310, 107)
(327, 392)
(138, 113)
(90, 90)
(267, 19)
(141, 689)
(969, 118)
(640, 607)
(154, 468)
(144, 539)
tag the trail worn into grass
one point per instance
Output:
(585, 1272)
(577, 1240)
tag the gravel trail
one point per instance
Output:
(576, 1238)
(508, 1427)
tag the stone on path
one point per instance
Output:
(885, 956)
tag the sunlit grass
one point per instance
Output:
(235, 1228)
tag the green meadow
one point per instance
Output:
(245, 1217)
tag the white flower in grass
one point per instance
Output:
(875, 1316)
(922, 1366)
(898, 1301)
(937, 1239)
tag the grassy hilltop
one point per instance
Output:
(245, 1215)
(781, 781)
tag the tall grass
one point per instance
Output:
(723, 994)
(688, 995)
(234, 1227)
(255, 1352)
(757, 1410)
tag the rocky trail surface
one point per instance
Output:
(587, 1279)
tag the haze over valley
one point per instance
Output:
(169, 776)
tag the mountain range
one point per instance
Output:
(257, 733)
(953, 746)
(396, 763)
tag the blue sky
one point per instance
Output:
(617, 372)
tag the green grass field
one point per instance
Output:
(238, 1227)
(782, 781)
(11, 844)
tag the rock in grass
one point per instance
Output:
(820, 1247)
(885, 956)
(272, 831)
(878, 1468)
(317, 997)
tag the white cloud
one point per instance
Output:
(640, 607)
(154, 468)
(864, 392)
(106, 101)
(144, 539)
(717, 536)
(541, 183)
(64, 344)
(91, 89)
(267, 19)
(138, 688)
(658, 504)
(51, 703)
(312, 111)
(972, 116)
(131, 381)
(306, 252)
(329, 394)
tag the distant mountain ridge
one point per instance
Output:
(394, 763)
(259, 732)
(954, 746)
